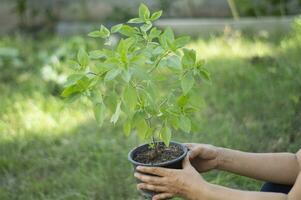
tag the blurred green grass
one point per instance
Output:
(50, 150)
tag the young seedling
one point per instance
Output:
(146, 80)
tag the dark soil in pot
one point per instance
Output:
(159, 155)
(168, 157)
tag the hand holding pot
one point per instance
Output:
(185, 183)
(203, 157)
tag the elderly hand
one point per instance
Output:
(186, 183)
(203, 157)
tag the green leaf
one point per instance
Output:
(149, 133)
(182, 100)
(110, 100)
(130, 97)
(116, 28)
(116, 115)
(97, 54)
(165, 135)
(181, 41)
(156, 15)
(127, 127)
(82, 58)
(140, 73)
(95, 34)
(189, 58)
(185, 124)
(126, 75)
(163, 41)
(73, 64)
(174, 121)
(76, 83)
(84, 83)
(128, 31)
(174, 63)
(96, 97)
(146, 27)
(99, 113)
(141, 127)
(154, 33)
(70, 90)
(205, 74)
(166, 38)
(72, 79)
(158, 50)
(200, 63)
(136, 21)
(138, 60)
(168, 32)
(112, 74)
(108, 53)
(190, 109)
(187, 83)
(104, 31)
(144, 12)
(112, 62)
(123, 47)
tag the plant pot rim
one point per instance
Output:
(184, 148)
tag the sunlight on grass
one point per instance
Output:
(41, 115)
(231, 48)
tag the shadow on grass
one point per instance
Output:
(86, 163)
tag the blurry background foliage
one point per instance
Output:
(43, 15)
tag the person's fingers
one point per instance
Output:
(149, 179)
(162, 196)
(200, 150)
(195, 152)
(155, 188)
(159, 171)
(189, 145)
(186, 162)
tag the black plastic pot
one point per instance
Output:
(173, 164)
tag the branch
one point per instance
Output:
(158, 61)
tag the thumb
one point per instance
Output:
(186, 162)
(193, 153)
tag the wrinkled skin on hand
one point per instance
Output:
(185, 183)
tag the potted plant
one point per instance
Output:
(145, 81)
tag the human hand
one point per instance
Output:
(203, 157)
(186, 183)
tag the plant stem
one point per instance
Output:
(163, 102)
(155, 145)
(158, 61)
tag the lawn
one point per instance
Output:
(53, 150)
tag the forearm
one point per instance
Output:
(273, 167)
(215, 192)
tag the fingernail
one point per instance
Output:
(139, 167)
(136, 174)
